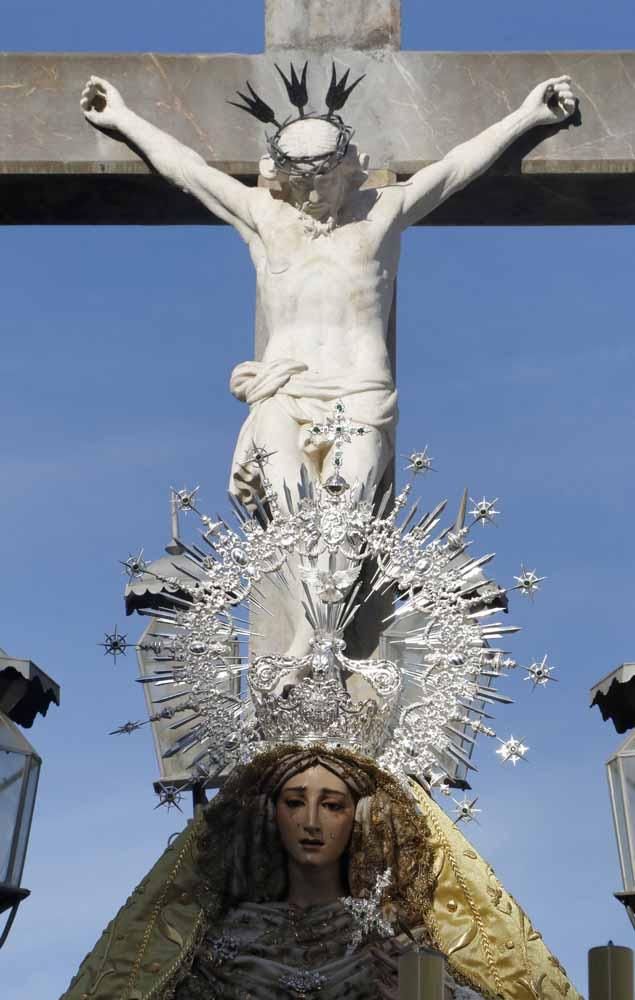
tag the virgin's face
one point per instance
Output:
(315, 813)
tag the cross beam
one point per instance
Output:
(412, 108)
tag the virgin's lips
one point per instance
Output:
(308, 842)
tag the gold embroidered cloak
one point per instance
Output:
(466, 913)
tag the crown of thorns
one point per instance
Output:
(336, 97)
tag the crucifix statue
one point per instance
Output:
(325, 248)
(315, 867)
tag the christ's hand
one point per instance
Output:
(551, 102)
(230, 199)
(102, 104)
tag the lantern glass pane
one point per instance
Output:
(13, 768)
(628, 783)
(621, 773)
(19, 771)
(28, 804)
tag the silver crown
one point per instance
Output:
(325, 697)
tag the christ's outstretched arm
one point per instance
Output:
(231, 201)
(549, 103)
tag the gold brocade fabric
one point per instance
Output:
(488, 939)
(153, 934)
(230, 856)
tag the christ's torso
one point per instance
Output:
(327, 299)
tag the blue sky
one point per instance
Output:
(516, 366)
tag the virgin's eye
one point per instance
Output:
(334, 806)
(293, 803)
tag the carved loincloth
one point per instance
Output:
(306, 398)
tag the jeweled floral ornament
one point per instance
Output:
(528, 583)
(185, 500)
(539, 673)
(465, 810)
(134, 566)
(512, 750)
(420, 461)
(415, 718)
(484, 510)
(114, 644)
(373, 916)
(170, 796)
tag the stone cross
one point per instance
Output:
(413, 108)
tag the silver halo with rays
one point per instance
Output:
(453, 656)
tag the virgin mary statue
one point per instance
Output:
(324, 857)
(307, 877)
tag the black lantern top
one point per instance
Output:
(25, 690)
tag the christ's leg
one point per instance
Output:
(367, 453)
(275, 431)
(272, 429)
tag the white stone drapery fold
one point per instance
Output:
(305, 397)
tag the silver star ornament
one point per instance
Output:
(511, 750)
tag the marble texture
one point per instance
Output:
(431, 101)
(412, 108)
(324, 25)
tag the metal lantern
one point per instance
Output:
(19, 774)
(621, 775)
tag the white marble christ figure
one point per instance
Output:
(326, 253)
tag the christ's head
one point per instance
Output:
(316, 166)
